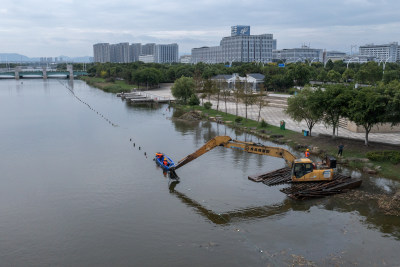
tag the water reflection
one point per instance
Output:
(244, 214)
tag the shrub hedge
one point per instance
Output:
(387, 155)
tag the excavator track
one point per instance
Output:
(276, 177)
(305, 190)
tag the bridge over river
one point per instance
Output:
(19, 73)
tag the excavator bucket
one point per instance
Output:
(172, 174)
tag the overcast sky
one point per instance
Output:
(39, 28)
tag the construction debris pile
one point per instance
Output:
(296, 190)
(191, 116)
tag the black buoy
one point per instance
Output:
(145, 154)
(139, 148)
(130, 139)
(133, 144)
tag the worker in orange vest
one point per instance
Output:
(159, 155)
(307, 153)
(165, 162)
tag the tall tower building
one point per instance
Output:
(148, 49)
(166, 53)
(239, 47)
(135, 50)
(120, 53)
(101, 52)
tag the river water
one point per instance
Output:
(76, 189)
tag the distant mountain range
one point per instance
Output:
(17, 58)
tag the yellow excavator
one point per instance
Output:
(303, 169)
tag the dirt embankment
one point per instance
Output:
(191, 116)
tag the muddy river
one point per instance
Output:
(77, 189)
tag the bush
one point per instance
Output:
(194, 100)
(110, 80)
(238, 119)
(263, 123)
(382, 156)
(207, 105)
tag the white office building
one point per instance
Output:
(239, 47)
(147, 58)
(334, 55)
(185, 59)
(298, 55)
(385, 52)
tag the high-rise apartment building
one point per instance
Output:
(166, 53)
(101, 52)
(385, 52)
(135, 50)
(148, 49)
(239, 47)
(124, 53)
(120, 53)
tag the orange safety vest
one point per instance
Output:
(158, 155)
(165, 162)
(307, 154)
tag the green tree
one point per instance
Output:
(334, 76)
(147, 76)
(225, 93)
(368, 108)
(247, 97)
(334, 102)
(391, 75)
(329, 65)
(238, 92)
(392, 91)
(348, 75)
(208, 87)
(301, 73)
(322, 76)
(369, 72)
(183, 89)
(305, 106)
(260, 100)
(194, 100)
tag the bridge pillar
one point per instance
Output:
(44, 72)
(17, 71)
(70, 69)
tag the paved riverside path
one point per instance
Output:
(273, 116)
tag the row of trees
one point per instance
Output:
(365, 106)
(186, 89)
(276, 78)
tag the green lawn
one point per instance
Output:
(111, 87)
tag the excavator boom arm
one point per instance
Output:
(249, 147)
(217, 141)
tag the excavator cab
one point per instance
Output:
(304, 170)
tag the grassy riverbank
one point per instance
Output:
(354, 153)
(108, 86)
